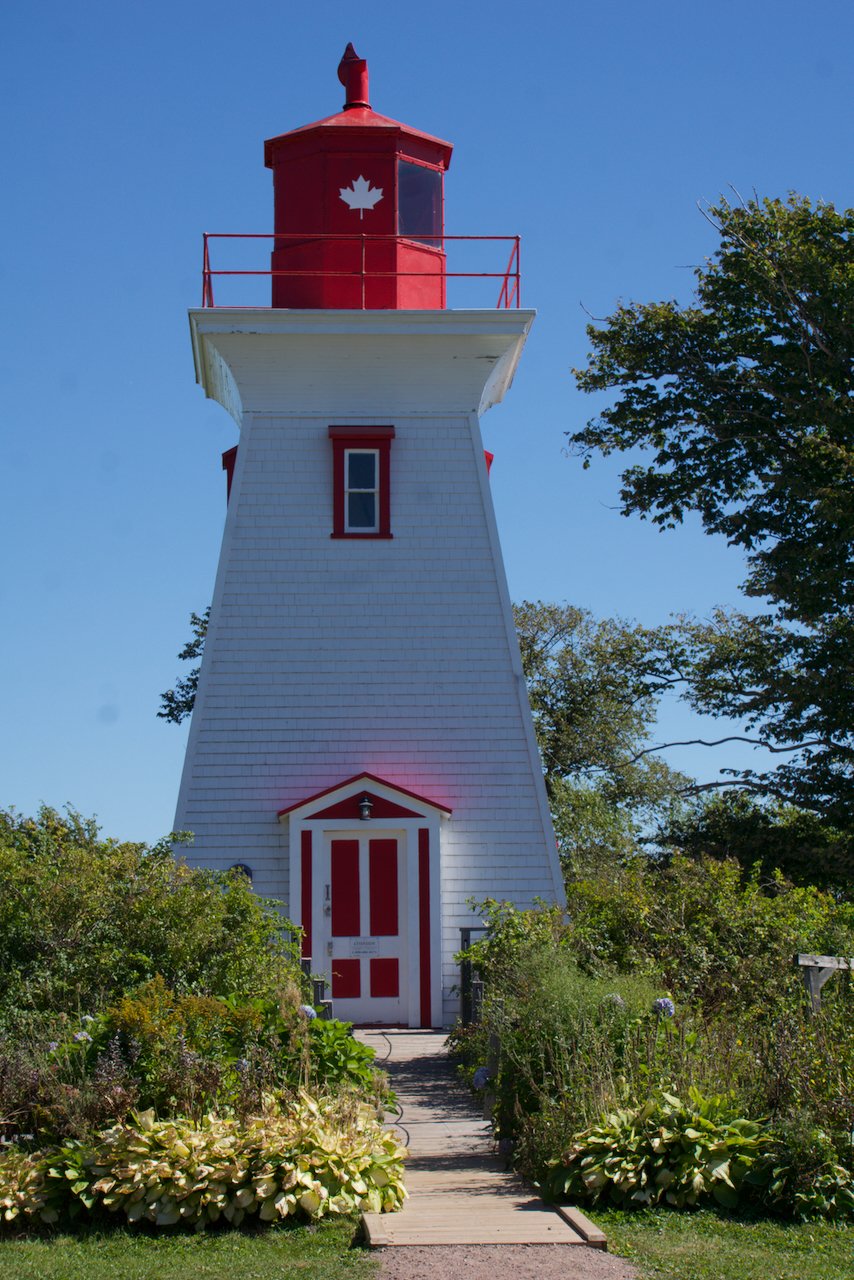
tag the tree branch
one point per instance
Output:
(753, 742)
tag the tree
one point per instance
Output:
(594, 688)
(176, 704)
(765, 838)
(746, 400)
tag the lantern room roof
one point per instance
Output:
(357, 118)
(357, 115)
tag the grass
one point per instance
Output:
(710, 1246)
(323, 1252)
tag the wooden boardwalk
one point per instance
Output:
(460, 1193)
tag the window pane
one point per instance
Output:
(419, 203)
(361, 511)
(361, 470)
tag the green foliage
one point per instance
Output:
(179, 1054)
(176, 704)
(499, 955)
(803, 1174)
(666, 1150)
(338, 1060)
(594, 688)
(745, 397)
(567, 1045)
(566, 1038)
(83, 919)
(764, 838)
(745, 401)
(315, 1159)
(789, 686)
(717, 937)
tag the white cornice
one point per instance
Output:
(357, 362)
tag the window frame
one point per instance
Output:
(361, 440)
(436, 240)
(350, 488)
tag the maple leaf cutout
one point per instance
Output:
(361, 195)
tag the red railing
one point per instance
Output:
(510, 294)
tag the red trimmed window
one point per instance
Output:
(361, 464)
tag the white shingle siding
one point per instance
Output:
(328, 657)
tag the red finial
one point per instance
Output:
(353, 74)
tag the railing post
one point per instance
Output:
(207, 292)
(363, 271)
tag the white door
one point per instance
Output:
(361, 905)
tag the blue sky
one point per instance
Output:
(591, 130)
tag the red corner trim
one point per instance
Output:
(424, 926)
(229, 458)
(305, 895)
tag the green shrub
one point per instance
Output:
(337, 1060)
(665, 1151)
(804, 1176)
(565, 1039)
(84, 919)
(317, 1158)
(720, 938)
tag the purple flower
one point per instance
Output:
(481, 1078)
(242, 1064)
(53, 1046)
(309, 1012)
(82, 1037)
(663, 1007)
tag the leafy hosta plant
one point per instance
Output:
(667, 1151)
(318, 1158)
(28, 1191)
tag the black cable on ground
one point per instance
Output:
(399, 1118)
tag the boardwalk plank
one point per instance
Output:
(459, 1192)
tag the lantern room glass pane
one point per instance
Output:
(419, 203)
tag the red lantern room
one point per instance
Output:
(358, 208)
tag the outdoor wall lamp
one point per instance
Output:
(366, 804)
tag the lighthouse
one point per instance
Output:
(361, 740)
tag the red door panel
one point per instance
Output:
(383, 888)
(345, 889)
(346, 980)
(385, 978)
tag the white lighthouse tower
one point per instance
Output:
(361, 738)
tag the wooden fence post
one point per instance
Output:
(816, 971)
